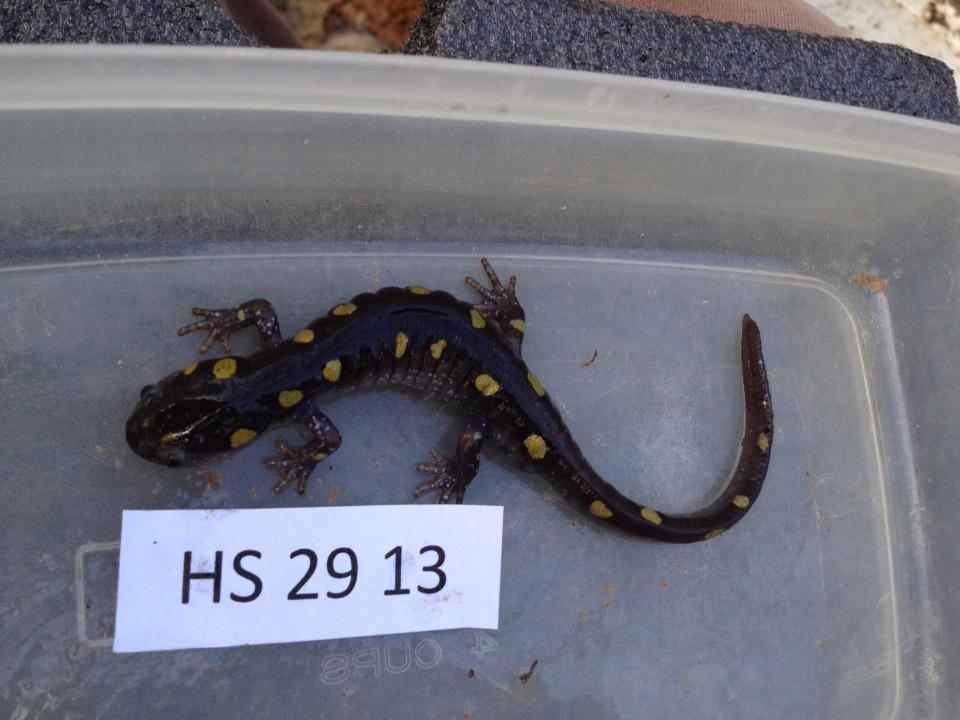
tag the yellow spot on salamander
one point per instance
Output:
(242, 436)
(741, 501)
(190, 369)
(536, 446)
(599, 509)
(476, 319)
(487, 385)
(319, 456)
(222, 369)
(289, 398)
(344, 309)
(331, 371)
(437, 349)
(713, 533)
(241, 315)
(519, 325)
(169, 437)
(418, 289)
(535, 384)
(402, 341)
(304, 336)
(763, 442)
(651, 516)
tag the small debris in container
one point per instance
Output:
(589, 362)
(525, 677)
(870, 282)
(611, 590)
(213, 479)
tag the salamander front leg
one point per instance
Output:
(295, 464)
(450, 476)
(500, 306)
(221, 324)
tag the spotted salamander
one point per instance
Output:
(449, 350)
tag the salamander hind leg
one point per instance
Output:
(296, 464)
(450, 476)
(499, 305)
(221, 323)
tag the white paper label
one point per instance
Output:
(215, 578)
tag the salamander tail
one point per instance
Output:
(745, 483)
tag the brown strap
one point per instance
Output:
(262, 20)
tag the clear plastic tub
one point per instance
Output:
(641, 218)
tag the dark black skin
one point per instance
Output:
(218, 405)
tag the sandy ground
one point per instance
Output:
(351, 25)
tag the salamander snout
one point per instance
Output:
(146, 444)
(175, 424)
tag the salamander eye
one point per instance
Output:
(150, 392)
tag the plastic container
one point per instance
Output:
(641, 218)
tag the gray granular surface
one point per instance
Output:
(171, 22)
(578, 35)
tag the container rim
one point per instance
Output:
(98, 77)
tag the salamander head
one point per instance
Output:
(188, 418)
